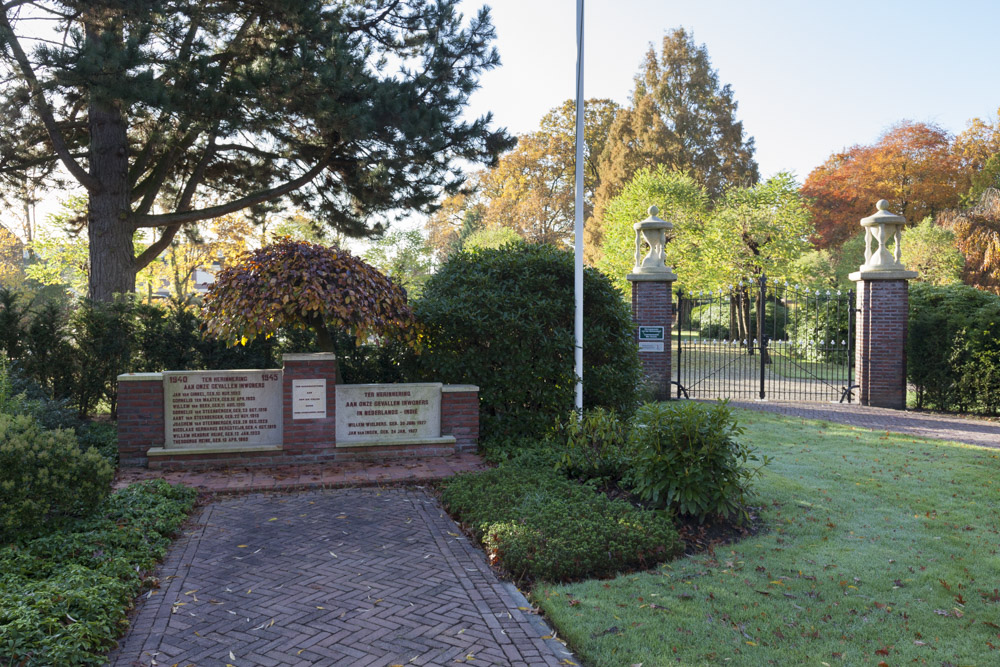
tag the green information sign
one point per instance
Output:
(650, 333)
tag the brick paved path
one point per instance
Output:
(959, 429)
(334, 577)
(328, 475)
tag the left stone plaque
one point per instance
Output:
(219, 409)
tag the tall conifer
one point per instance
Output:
(169, 112)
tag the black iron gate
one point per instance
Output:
(764, 339)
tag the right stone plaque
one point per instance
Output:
(374, 414)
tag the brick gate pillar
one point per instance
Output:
(883, 313)
(652, 305)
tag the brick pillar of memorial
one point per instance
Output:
(882, 313)
(652, 302)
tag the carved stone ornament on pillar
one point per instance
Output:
(881, 263)
(651, 232)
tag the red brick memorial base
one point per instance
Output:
(296, 414)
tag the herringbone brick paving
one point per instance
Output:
(330, 577)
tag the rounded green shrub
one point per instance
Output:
(685, 457)
(45, 477)
(502, 319)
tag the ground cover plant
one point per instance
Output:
(540, 525)
(881, 550)
(601, 494)
(64, 596)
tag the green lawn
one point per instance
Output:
(880, 549)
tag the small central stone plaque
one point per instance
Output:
(309, 399)
(374, 414)
(212, 409)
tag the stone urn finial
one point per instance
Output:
(652, 232)
(879, 230)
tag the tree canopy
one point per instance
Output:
(305, 285)
(912, 165)
(532, 189)
(756, 230)
(404, 256)
(977, 236)
(680, 117)
(680, 201)
(168, 112)
(751, 230)
(929, 249)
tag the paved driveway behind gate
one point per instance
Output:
(339, 577)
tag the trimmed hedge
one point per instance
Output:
(540, 525)
(71, 352)
(64, 598)
(502, 319)
(953, 348)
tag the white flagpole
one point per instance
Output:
(578, 224)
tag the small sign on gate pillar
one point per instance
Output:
(652, 305)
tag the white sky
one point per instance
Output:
(810, 77)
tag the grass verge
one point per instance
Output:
(64, 597)
(882, 550)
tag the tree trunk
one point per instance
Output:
(326, 344)
(109, 211)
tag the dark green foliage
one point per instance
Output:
(502, 319)
(542, 526)
(171, 337)
(167, 338)
(102, 437)
(72, 353)
(498, 449)
(20, 395)
(713, 329)
(64, 597)
(715, 321)
(820, 329)
(49, 358)
(45, 478)
(13, 312)
(382, 360)
(686, 458)
(105, 338)
(953, 348)
(593, 447)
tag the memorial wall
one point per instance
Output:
(185, 419)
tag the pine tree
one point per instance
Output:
(169, 112)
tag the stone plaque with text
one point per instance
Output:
(217, 409)
(379, 413)
(309, 399)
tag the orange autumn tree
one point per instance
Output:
(912, 165)
(306, 285)
(977, 236)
